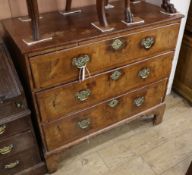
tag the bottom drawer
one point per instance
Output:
(19, 162)
(103, 115)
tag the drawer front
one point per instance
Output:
(14, 127)
(12, 106)
(59, 67)
(67, 99)
(89, 121)
(16, 144)
(19, 162)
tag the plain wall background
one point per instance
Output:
(13, 8)
(183, 7)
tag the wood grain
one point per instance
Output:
(67, 130)
(62, 101)
(56, 68)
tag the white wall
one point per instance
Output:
(183, 7)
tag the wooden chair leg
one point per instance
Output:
(32, 6)
(101, 12)
(128, 13)
(129, 18)
(68, 5)
(102, 24)
(159, 113)
(52, 162)
(68, 9)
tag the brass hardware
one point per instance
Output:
(148, 42)
(83, 95)
(113, 103)
(84, 124)
(19, 105)
(2, 129)
(116, 75)
(6, 150)
(144, 73)
(81, 61)
(139, 101)
(12, 165)
(117, 44)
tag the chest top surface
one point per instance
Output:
(68, 31)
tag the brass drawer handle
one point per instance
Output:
(81, 61)
(148, 42)
(84, 124)
(116, 75)
(2, 129)
(12, 165)
(139, 101)
(144, 73)
(6, 149)
(113, 103)
(19, 105)
(117, 44)
(83, 95)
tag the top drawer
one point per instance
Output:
(58, 67)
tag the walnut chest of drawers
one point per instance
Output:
(19, 152)
(127, 71)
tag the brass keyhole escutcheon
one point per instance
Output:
(113, 103)
(117, 44)
(148, 42)
(84, 124)
(144, 73)
(83, 95)
(139, 101)
(81, 61)
(116, 75)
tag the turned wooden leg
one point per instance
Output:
(128, 13)
(159, 113)
(33, 12)
(52, 162)
(101, 13)
(68, 5)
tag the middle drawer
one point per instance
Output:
(67, 99)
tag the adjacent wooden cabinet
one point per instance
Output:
(19, 151)
(84, 81)
(183, 78)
